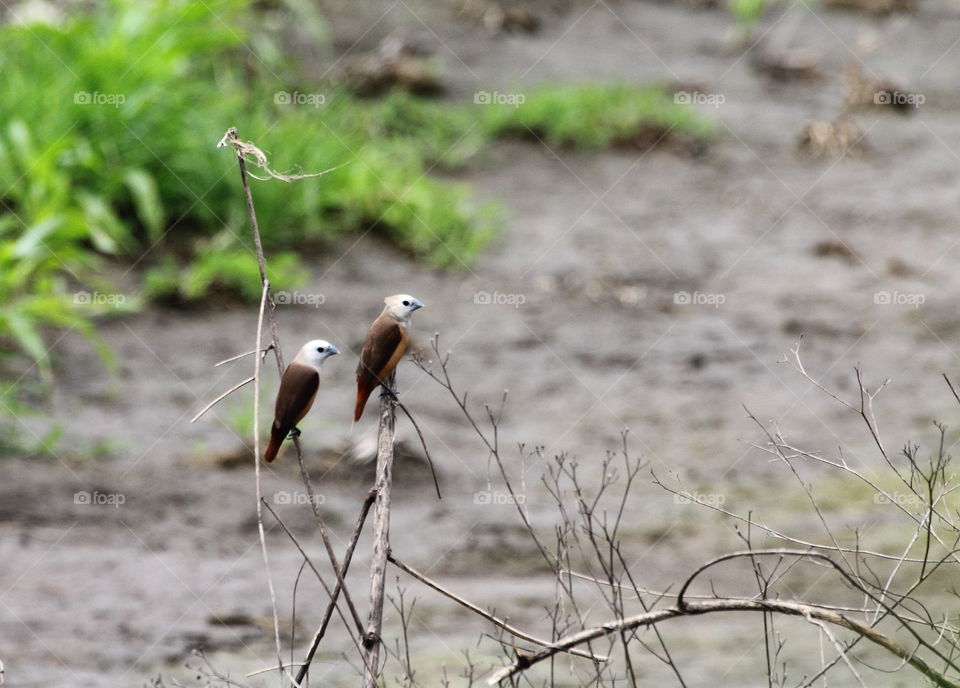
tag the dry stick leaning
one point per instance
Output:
(423, 443)
(318, 636)
(486, 615)
(309, 562)
(243, 149)
(381, 534)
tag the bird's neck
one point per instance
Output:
(300, 360)
(403, 321)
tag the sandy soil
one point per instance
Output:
(597, 245)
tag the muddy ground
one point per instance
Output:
(597, 244)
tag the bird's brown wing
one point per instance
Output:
(385, 345)
(298, 389)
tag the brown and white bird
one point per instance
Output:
(298, 389)
(385, 345)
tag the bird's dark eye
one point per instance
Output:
(320, 349)
(406, 303)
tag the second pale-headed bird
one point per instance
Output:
(385, 345)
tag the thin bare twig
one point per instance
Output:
(256, 464)
(423, 442)
(310, 563)
(328, 613)
(481, 612)
(263, 351)
(381, 535)
(221, 398)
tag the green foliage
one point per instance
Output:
(15, 437)
(222, 272)
(748, 12)
(448, 135)
(108, 125)
(108, 151)
(33, 283)
(595, 116)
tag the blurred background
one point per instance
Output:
(625, 212)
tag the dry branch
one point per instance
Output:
(245, 151)
(263, 351)
(318, 636)
(256, 464)
(381, 535)
(310, 563)
(423, 443)
(486, 615)
(652, 618)
(222, 397)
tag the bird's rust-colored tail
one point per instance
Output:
(363, 393)
(276, 439)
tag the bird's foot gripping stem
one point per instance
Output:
(294, 434)
(386, 391)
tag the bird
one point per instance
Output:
(385, 345)
(298, 389)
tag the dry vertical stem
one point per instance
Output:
(232, 138)
(381, 535)
(256, 464)
(243, 149)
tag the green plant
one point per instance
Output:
(595, 116)
(748, 12)
(108, 152)
(15, 436)
(230, 272)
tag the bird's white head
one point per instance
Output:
(400, 306)
(316, 351)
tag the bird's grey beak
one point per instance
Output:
(416, 305)
(332, 351)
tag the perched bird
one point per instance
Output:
(298, 389)
(385, 345)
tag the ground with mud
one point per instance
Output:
(598, 245)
